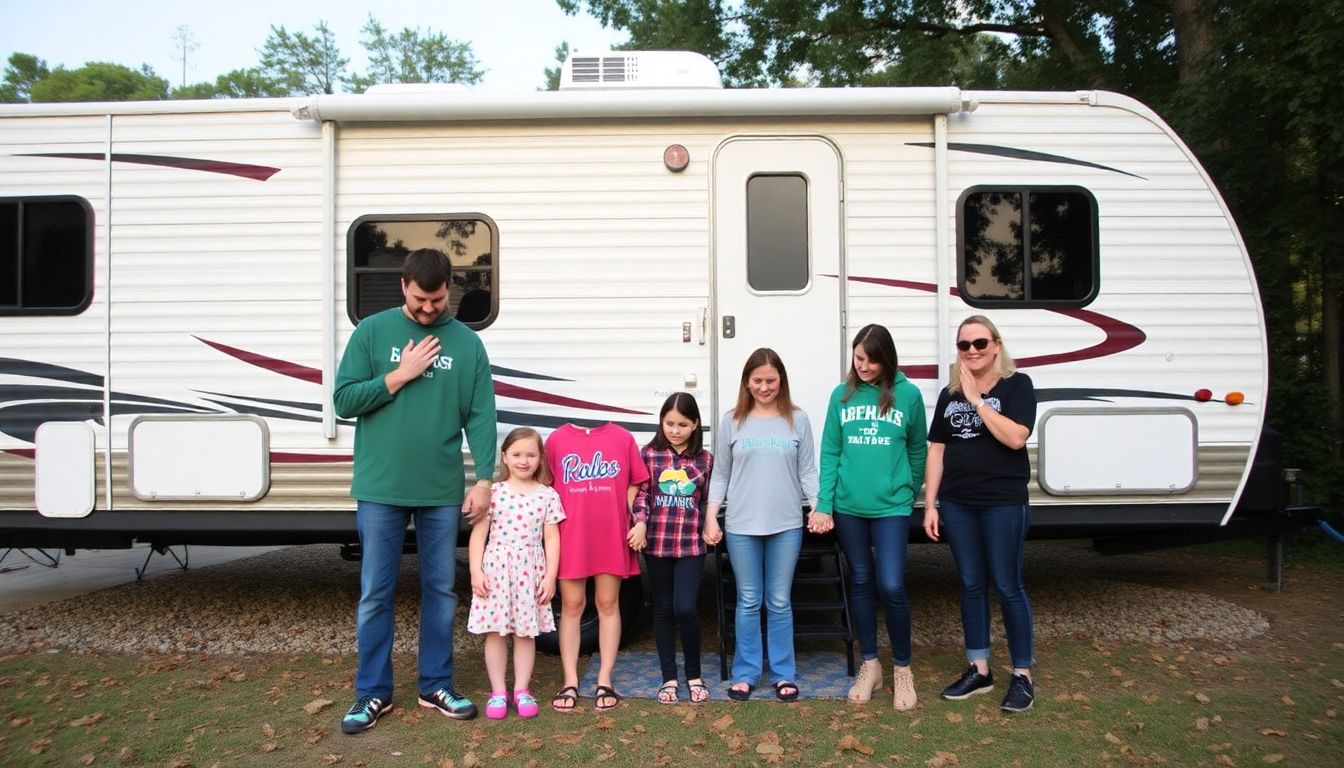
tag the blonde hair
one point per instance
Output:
(1003, 362)
(763, 356)
(543, 473)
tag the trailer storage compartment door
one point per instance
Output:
(1118, 450)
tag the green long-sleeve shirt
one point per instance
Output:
(872, 465)
(408, 446)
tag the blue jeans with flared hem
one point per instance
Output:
(382, 532)
(987, 545)
(763, 568)
(875, 548)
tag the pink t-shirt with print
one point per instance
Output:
(592, 470)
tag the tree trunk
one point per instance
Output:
(1330, 343)
(1192, 21)
(1053, 19)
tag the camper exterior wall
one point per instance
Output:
(603, 257)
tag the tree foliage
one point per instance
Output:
(304, 64)
(21, 72)
(412, 56)
(99, 81)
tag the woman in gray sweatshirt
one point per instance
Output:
(765, 469)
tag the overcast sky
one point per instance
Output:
(514, 40)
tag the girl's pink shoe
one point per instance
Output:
(526, 703)
(497, 707)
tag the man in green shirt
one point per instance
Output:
(415, 379)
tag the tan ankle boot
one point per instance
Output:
(866, 682)
(904, 683)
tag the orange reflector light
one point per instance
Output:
(1234, 398)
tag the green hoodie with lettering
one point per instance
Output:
(408, 446)
(872, 464)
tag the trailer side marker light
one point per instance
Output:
(1234, 398)
(1203, 395)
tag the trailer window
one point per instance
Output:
(46, 256)
(1027, 246)
(777, 246)
(378, 245)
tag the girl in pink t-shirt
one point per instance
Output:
(596, 472)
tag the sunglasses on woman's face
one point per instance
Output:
(979, 344)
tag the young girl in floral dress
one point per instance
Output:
(514, 556)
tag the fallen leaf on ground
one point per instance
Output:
(317, 705)
(470, 760)
(1288, 701)
(508, 750)
(1273, 732)
(570, 737)
(605, 723)
(87, 758)
(722, 723)
(770, 748)
(851, 742)
(88, 720)
(1225, 761)
(1201, 723)
(331, 759)
(19, 722)
(269, 746)
(1202, 698)
(1112, 738)
(267, 730)
(941, 759)
(953, 717)
(447, 762)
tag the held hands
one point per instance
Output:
(819, 522)
(480, 583)
(545, 591)
(712, 534)
(635, 538)
(930, 520)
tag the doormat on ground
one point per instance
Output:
(821, 675)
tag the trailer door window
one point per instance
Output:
(1027, 247)
(777, 245)
(46, 256)
(378, 245)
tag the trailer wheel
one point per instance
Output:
(631, 603)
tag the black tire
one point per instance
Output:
(631, 603)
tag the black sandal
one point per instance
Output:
(569, 696)
(791, 695)
(605, 692)
(699, 692)
(737, 694)
(668, 693)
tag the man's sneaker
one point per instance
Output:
(1020, 695)
(364, 714)
(450, 703)
(970, 683)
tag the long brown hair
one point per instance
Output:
(879, 348)
(1003, 362)
(543, 473)
(763, 356)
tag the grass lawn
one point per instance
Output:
(1272, 700)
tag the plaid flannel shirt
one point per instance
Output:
(672, 503)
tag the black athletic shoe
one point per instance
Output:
(1020, 695)
(970, 683)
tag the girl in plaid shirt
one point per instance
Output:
(669, 510)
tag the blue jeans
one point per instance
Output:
(987, 544)
(875, 548)
(382, 532)
(763, 568)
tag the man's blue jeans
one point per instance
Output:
(987, 544)
(875, 548)
(763, 568)
(382, 532)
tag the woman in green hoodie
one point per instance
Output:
(872, 467)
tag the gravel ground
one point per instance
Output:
(302, 600)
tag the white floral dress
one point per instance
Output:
(515, 563)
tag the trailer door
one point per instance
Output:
(777, 253)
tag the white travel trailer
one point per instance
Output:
(178, 279)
